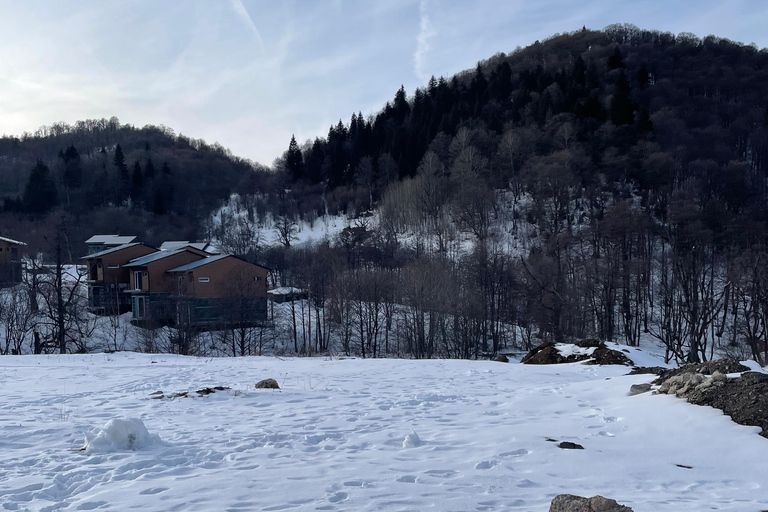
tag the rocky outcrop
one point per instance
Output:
(548, 353)
(743, 398)
(571, 503)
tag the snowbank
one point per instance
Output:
(120, 435)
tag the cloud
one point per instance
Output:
(426, 32)
(242, 13)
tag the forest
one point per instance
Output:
(607, 184)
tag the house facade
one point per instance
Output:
(150, 283)
(221, 290)
(109, 279)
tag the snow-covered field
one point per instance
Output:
(356, 435)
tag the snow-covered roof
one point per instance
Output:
(285, 290)
(199, 263)
(149, 258)
(172, 245)
(11, 241)
(107, 251)
(110, 239)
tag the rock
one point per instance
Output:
(647, 370)
(637, 389)
(709, 368)
(208, 391)
(267, 384)
(567, 445)
(501, 358)
(604, 355)
(589, 343)
(571, 503)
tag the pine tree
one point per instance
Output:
(149, 170)
(622, 108)
(137, 183)
(40, 194)
(73, 172)
(120, 164)
(294, 162)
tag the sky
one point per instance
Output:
(250, 73)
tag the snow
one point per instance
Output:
(359, 434)
(568, 349)
(119, 435)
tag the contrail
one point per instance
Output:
(242, 13)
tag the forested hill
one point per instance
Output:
(112, 178)
(646, 109)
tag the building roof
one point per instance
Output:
(180, 244)
(108, 251)
(149, 258)
(11, 241)
(200, 263)
(110, 239)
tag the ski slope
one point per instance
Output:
(352, 434)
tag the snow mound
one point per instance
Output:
(412, 440)
(119, 435)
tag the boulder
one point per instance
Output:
(637, 389)
(267, 384)
(604, 355)
(571, 503)
(501, 358)
(567, 445)
(547, 353)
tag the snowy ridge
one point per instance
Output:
(358, 434)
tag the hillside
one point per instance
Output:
(106, 177)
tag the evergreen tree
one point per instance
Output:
(119, 161)
(149, 170)
(73, 172)
(622, 108)
(616, 60)
(294, 161)
(40, 194)
(137, 183)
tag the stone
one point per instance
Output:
(637, 389)
(501, 358)
(267, 384)
(567, 445)
(589, 343)
(571, 503)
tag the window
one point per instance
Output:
(139, 307)
(203, 279)
(257, 279)
(113, 266)
(138, 282)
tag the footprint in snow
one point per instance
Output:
(486, 464)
